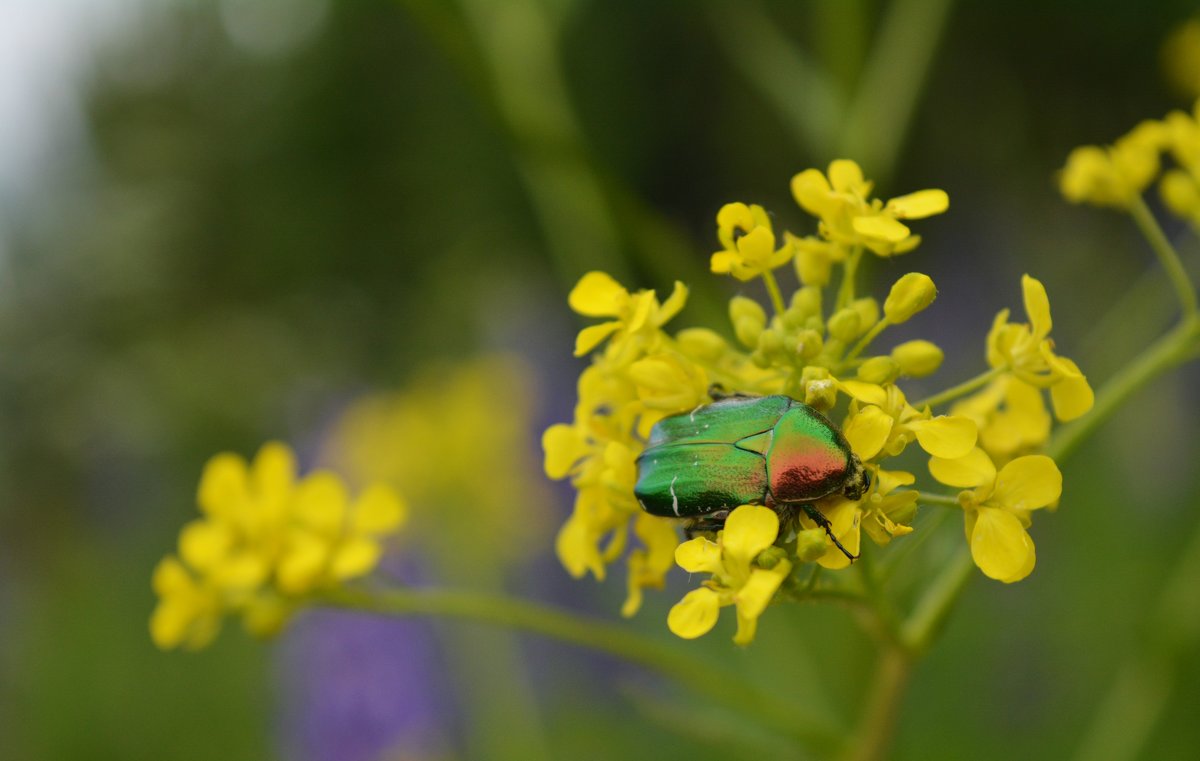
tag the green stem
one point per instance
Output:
(1162, 355)
(961, 389)
(879, 720)
(931, 611)
(727, 688)
(773, 289)
(866, 340)
(846, 289)
(1167, 255)
(1126, 717)
(891, 83)
(938, 499)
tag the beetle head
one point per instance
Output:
(858, 480)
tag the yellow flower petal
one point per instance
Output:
(881, 228)
(973, 469)
(273, 472)
(1037, 306)
(868, 393)
(321, 503)
(576, 548)
(1001, 546)
(923, 203)
(699, 555)
(564, 447)
(302, 562)
(845, 521)
(170, 577)
(1027, 483)
(811, 189)
(591, 337)
(754, 597)
(749, 530)
(694, 615)
(1072, 397)
(867, 431)
(378, 510)
(354, 558)
(203, 544)
(242, 571)
(597, 295)
(946, 436)
(224, 484)
(846, 176)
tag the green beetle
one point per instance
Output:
(766, 450)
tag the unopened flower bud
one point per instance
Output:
(811, 544)
(770, 557)
(917, 358)
(807, 301)
(701, 343)
(868, 312)
(809, 344)
(879, 370)
(748, 319)
(909, 295)
(844, 325)
(770, 342)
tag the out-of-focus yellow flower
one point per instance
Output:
(1115, 175)
(737, 579)
(1025, 350)
(434, 441)
(998, 507)
(748, 243)
(1181, 58)
(264, 543)
(850, 216)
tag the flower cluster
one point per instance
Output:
(1118, 174)
(813, 346)
(264, 543)
(454, 442)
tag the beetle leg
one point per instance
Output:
(717, 392)
(705, 524)
(823, 522)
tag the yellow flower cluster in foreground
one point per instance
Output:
(264, 543)
(813, 346)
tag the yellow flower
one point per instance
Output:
(849, 216)
(737, 579)
(998, 507)
(1011, 416)
(883, 513)
(815, 258)
(638, 315)
(881, 424)
(429, 441)
(1025, 350)
(649, 564)
(748, 243)
(1180, 187)
(1181, 58)
(1115, 175)
(265, 541)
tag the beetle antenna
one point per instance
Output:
(824, 523)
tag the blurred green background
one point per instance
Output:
(223, 221)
